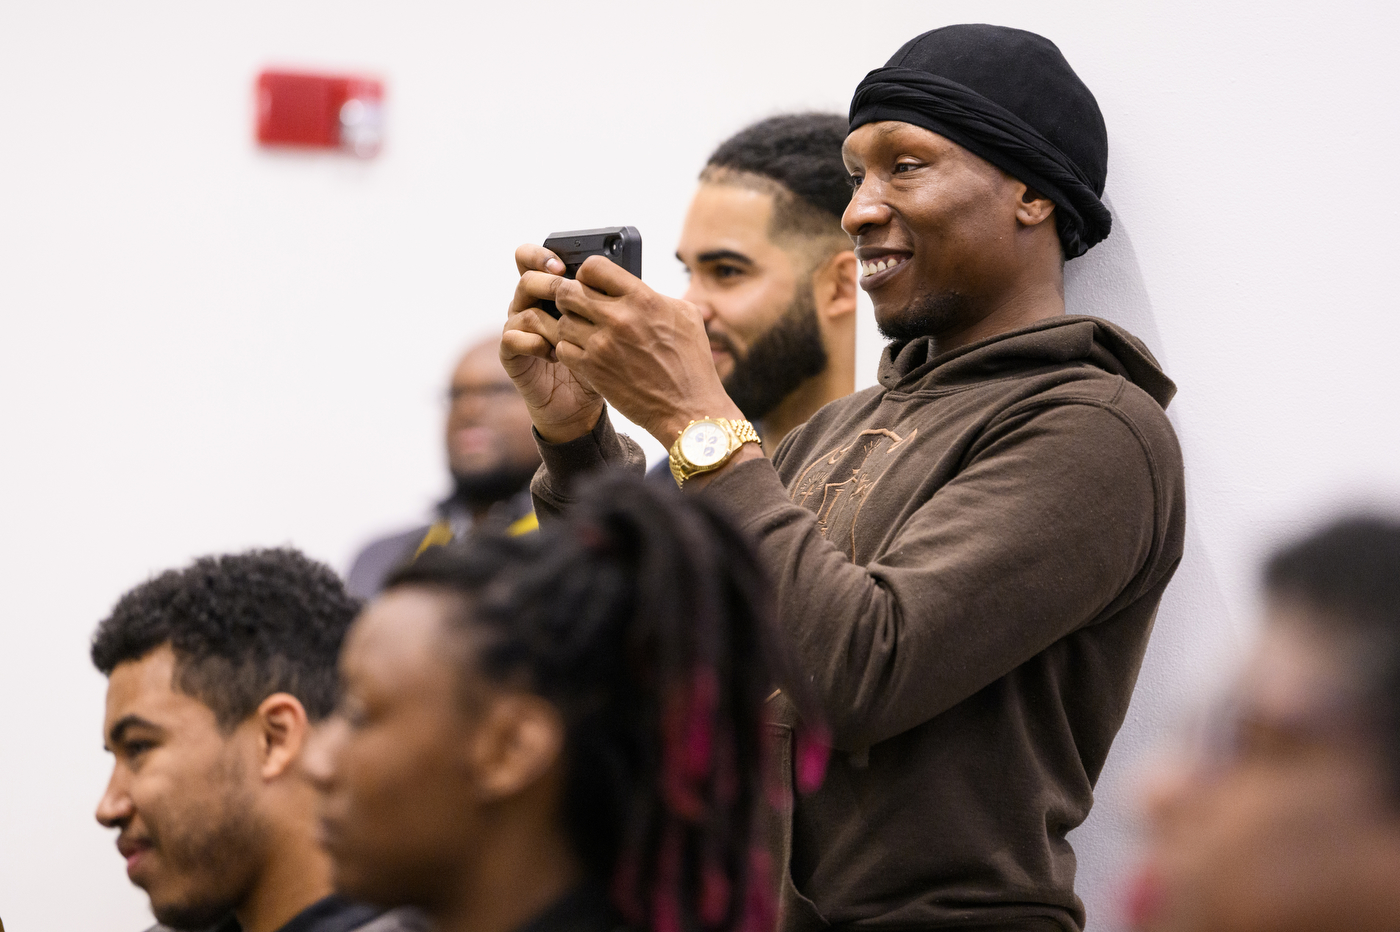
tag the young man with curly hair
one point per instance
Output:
(217, 674)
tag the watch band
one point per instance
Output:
(739, 432)
(743, 432)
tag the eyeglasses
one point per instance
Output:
(483, 392)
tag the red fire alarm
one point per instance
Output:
(319, 111)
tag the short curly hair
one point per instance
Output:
(799, 154)
(242, 626)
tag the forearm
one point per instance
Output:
(564, 463)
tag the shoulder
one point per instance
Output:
(403, 919)
(374, 562)
(1105, 437)
(1100, 418)
(1102, 399)
(390, 543)
(835, 415)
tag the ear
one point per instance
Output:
(834, 286)
(518, 740)
(282, 732)
(1032, 207)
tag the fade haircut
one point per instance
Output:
(242, 627)
(1346, 578)
(797, 159)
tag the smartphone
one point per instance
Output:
(623, 245)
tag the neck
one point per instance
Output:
(295, 875)
(1039, 299)
(837, 380)
(518, 877)
(478, 492)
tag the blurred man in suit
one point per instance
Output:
(491, 455)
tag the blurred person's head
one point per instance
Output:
(771, 269)
(216, 673)
(491, 450)
(1290, 817)
(576, 708)
(978, 159)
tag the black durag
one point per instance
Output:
(1007, 96)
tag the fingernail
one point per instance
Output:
(555, 266)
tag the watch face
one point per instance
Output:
(704, 444)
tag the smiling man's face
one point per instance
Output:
(739, 278)
(754, 292)
(180, 794)
(935, 229)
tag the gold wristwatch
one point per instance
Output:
(707, 444)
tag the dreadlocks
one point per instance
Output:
(646, 621)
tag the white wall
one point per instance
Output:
(206, 347)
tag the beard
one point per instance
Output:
(217, 854)
(191, 917)
(926, 316)
(780, 360)
(485, 487)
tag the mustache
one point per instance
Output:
(130, 842)
(723, 342)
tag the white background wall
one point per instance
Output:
(204, 347)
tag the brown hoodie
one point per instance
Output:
(968, 558)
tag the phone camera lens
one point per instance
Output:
(615, 246)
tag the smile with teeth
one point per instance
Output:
(868, 269)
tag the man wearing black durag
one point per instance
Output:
(969, 556)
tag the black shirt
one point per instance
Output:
(332, 914)
(583, 909)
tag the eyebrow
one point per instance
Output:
(125, 724)
(882, 133)
(718, 255)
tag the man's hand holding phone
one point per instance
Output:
(647, 354)
(562, 406)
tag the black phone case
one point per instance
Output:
(623, 245)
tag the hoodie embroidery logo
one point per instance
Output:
(836, 484)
